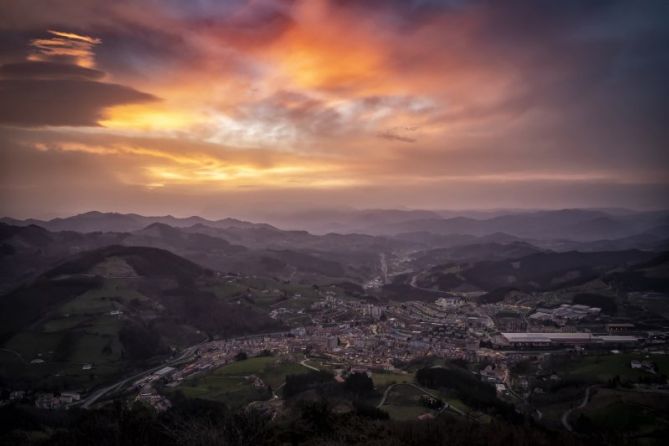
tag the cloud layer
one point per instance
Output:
(393, 103)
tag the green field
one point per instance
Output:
(404, 403)
(325, 364)
(271, 370)
(80, 331)
(32, 345)
(267, 293)
(232, 390)
(629, 412)
(456, 403)
(113, 295)
(602, 368)
(230, 384)
(384, 379)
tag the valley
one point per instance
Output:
(231, 313)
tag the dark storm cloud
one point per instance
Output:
(614, 97)
(61, 102)
(48, 70)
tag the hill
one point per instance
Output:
(539, 271)
(473, 252)
(115, 308)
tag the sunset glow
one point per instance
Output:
(372, 103)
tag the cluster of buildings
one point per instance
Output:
(56, 400)
(646, 365)
(565, 314)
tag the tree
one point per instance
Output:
(305, 381)
(241, 356)
(359, 383)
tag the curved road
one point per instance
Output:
(413, 281)
(304, 364)
(565, 416)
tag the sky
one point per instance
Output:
(227, 107)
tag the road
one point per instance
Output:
(565, 416)
(304, 364)
(420, 389)
(96, 395)
(384, 267)
(15, 353)
(413, 281)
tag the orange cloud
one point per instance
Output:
(148, 118)
(64, 45)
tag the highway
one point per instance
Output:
(91, 399)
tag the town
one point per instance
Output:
(355, 336)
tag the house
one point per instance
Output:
(649, 366)
(17, 395)
(69, 397)
(619, 328)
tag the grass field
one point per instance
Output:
(79, 332)
(267, 293)
(230, 384)
(112, 295)
(226, 290)
(271, 370)
(634, 413)
(404, 403)
(232, 390)
(600, 369)
(384, 379)
(455, 402)
(33, 345)
(324, 364)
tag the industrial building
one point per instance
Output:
(535, 340)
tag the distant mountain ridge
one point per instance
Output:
(571, 224)
(582, 225)
(95, 221)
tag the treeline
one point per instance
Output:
(356, 385)
(468, 388)
(203, 423)
(302, 382)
